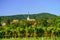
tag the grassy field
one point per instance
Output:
(31, 38)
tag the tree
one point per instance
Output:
(57, 22)
(8, 20)
(0, 21)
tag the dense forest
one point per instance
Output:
(44, 25)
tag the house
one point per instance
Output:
(3, 23)
(15, 20)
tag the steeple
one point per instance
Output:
(28, 19)
(28, 16)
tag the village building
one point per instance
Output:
(3, 23)
(29, 19)
(15, 20)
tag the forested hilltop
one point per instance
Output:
(37, 16)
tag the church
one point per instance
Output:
(29, 19)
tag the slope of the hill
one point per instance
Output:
(24, 17)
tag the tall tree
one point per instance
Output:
(0, 21)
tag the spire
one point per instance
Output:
(28, 13)
(28, 16)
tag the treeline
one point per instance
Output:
(45, 27)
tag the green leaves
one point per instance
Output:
(32, 28)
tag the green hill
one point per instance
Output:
(37, 16)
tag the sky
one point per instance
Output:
(13, 7)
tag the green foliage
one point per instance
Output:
(44, 22)
(38, 16)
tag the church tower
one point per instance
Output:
(28, 17)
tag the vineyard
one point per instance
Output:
(35, 28)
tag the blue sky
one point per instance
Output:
(13, 7)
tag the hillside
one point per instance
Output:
(23, 17)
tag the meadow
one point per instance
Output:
(31, 38)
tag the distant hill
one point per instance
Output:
(24, 17)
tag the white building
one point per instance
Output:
(28, 19)
(3, 23)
